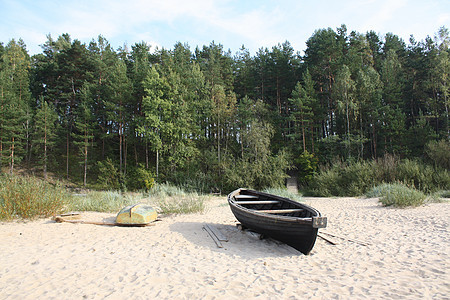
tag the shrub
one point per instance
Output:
(325, 183)
(29, 198)
(439, 153)
(398, 195)
(307, 165)
(354, 179)
(140, 178)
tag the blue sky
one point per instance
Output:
(232, 23)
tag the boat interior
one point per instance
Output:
(271, 205)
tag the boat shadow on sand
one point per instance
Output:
(244, 243)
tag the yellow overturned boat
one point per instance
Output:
(136, 215)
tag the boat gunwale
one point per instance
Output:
(291, 219)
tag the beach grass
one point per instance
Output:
(29, 198)
(170, 199)
(103, 201)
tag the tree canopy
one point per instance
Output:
(213, 120)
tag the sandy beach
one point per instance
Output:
(407, 257)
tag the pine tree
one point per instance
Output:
(84, 128)
(344, 93)
(44, 133)
(302, 103)
(14, 99)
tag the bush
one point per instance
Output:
(140, 178)
(354, 179)
(398, 195)
(439, 153)
(29, 198)
(307, 165)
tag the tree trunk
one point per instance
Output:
(11, 169)
(303, 135)
(67, 154)
(45, 147)
(86, 142)
(120, 148)
(157, 164)
(146, 154)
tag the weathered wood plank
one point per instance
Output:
(212, 235)
(328, 240)
(246, 197)
(280, 211)
(258, 202)
(217, 233)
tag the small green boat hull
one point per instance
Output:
(138, 214)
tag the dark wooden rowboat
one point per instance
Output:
(283, 219)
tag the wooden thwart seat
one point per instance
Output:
(246, 197)
(258, 202)
(280, 211)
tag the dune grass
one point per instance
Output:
(25, 197)
(170, 199)
(103, 201)
(30, 198)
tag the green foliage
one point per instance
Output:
(140, 178)
(257, 174)
(342, 179)
(108, 174)
(30, 198)
(45, 132)
(397, 195)
(210, 121)
(439, 153)
(421, 176)
(307, 165)
(14, 103)
(355, 179)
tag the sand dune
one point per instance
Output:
(408, 257)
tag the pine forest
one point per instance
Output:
(212, 120)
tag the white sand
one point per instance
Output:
(408, 257)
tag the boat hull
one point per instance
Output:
(297, 228)
(138, 214)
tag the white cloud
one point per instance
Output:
(232, 23)
(385, 13)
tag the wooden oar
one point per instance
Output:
(347, 239)
(213, 236)
(327, 240)
(59, 219)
